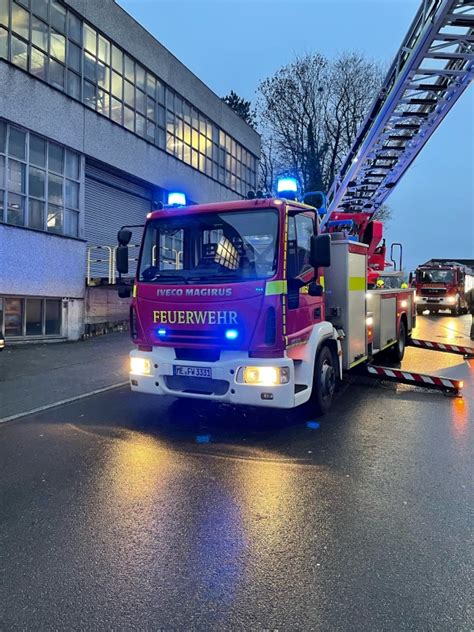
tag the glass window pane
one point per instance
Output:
(36, 214)
(129, 119)
(90, 67)
(13, 317)
(74, 56)
(160, 92)
(38, 64)
(104, 50)
(160, 138)
(71, 223)
(20, 21)
(37, 151)
(103, 76)
(117, 59)
(2, 205)
(89, 95)
(34, 317)
(55, 219)
(37, 181)
(74, 27)
(140, 77)
(40, 7)
(90, 39)
(16, 176)
(56, 158)
(53, 318)
(4, 19)
(55, 189)
(72, 194)
(150, 108)
(129, 93)
(103, 103)
(129, 67)
(58, 16)
(19, 53)
(117, 85)
(17, 143)
(116, 111)
(58, 46)
(2, 175)
(16, 209)
(73, 85)
(39, 33)
(3, 43)
(150, 130)
(151, 85)
(56, 74)
(72, 164)
(140, 124)
(140, 101)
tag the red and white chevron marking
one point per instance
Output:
(440, 346)
(416, 378)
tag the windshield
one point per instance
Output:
(435, 276)
(210, 248)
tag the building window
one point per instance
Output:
(40, 183)
(57, 46)
(30, 316)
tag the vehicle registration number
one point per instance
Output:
(192, 371)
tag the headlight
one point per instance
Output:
(417, 299)
(266, 375)
(140, 366)
(369, 321)
(451, 300)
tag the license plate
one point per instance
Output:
(192, 371)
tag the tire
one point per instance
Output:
(398, 350)
(456, 311)
(419, 310)
(324, 382)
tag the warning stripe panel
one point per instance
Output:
(442, 346)
(419, 378)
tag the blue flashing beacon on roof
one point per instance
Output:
(176, 198)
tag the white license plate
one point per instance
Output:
(192, 371)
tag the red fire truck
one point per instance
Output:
(247, 302)
(443, 284)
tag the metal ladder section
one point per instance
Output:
(430, 72)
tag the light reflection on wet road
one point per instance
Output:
(131, 512)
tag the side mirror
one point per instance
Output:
(124, 291)
(410, 278)
(122, 259)
(123, 236)
(320, 256)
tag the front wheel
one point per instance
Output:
(456, 311)
(324, 381)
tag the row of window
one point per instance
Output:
(40, 183)
(54, 45)
(20, 317)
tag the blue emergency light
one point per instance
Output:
(231, 334)
(161, 332)
(176, 199)
(287, 185)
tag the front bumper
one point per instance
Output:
(439, 302)
(222, 386)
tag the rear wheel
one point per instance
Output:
(398, 350)
(324, 381)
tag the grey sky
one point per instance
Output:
(234, 44)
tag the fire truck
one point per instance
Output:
(267, 301)
(443, 284)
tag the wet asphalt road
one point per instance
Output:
(126, 511)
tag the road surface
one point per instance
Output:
(123, 511)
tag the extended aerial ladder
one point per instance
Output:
(433, 67)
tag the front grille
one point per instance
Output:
(197, 355)
(184, 336)
(196, 385)
(433, 291)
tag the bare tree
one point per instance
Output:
(311, 110)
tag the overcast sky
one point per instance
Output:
(234, 44)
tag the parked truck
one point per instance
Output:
(247, 302)
(444, 284)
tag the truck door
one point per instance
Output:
(303, 310)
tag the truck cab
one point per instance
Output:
(442, 287)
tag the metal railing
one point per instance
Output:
(101, 263)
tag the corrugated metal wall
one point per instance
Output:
(112, 201)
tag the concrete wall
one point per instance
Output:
(41, 264)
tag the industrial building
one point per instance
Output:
(98, 121)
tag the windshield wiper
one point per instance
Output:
(168, 277)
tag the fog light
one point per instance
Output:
(140, 366)
(266, 375)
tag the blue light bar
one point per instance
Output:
(161, 332)
(176, 199)
(231, 334)
(285, 185)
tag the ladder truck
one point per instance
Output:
(266, 301)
